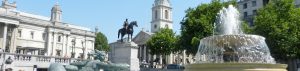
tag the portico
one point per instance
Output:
(8, 34)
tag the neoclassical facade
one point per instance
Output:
(26, 33)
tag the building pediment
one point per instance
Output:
(142, 37)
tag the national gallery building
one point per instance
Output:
(45, 39)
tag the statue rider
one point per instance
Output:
(125, 24)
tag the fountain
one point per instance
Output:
(231, 50)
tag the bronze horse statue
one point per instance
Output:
(129, 30)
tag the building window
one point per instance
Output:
(166, 26)
(245, 14)
(254, 12)
(59, 39)
(58, 52)
(18, 50)
(166, 14)
(156, 14)
(245, 6)
(41, 52)
(155, 26)
(253, 3)
(20, 33)
(265, 2)
(32, 34)
(82, 43)
(44, 36)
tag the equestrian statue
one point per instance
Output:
(127, 29)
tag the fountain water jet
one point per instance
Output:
(231, 50)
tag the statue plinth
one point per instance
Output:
(125, 52)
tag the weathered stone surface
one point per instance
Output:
(125, 53)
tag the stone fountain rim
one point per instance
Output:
(235, 65)
(247, 35)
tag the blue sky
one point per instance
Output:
(108, 15)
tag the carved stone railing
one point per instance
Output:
(36, 59)
(44, 59)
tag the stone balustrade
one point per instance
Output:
(39, 60)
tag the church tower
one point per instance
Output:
(56, 13)
(161, 15)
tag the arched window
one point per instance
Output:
(155, 26)
(167, 26)
(156, 15)
(166, 14)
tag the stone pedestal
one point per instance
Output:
(125, 52)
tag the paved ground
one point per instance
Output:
(150, 69)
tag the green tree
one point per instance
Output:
(162, 43)
(279, 23)
(198, 23)
(101, 42)
(246, 28)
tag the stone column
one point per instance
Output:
(144, 52)
(149, 57)
(15, 35)
(63, 45)
(54, 44)
(13, 46)
(85, 49)
(48, 42)
(175, 57)
(67, 46)
(170, 59)
(160, 60)
(140, 53)
(4, 37)
(93, 46)
(183, 57)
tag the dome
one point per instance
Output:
(162, 2)
(56, 7)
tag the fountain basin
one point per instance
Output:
(231, 50)
(234, 48)
(235, 67)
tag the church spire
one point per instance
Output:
(56, 13)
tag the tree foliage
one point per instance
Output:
(162, 43)
(101, 42)
(246, 28)
(279, 23)
(198, 23)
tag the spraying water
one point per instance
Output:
(229, 44)
(228, 22)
